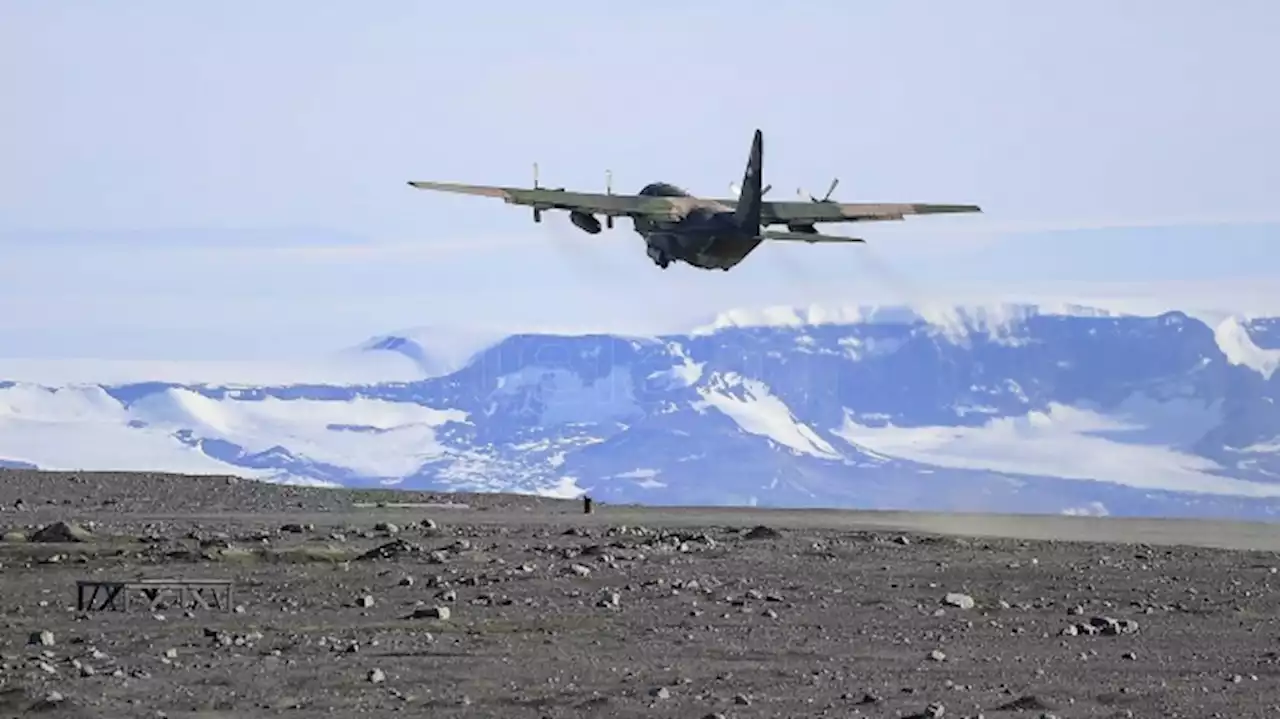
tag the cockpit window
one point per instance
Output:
(662, 189)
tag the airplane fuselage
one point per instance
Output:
(706, 236)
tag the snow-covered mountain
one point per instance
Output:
(1001, 408)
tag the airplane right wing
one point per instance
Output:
(806, 237)
(807, 213)
(588, 202)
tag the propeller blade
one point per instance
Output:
(608, 188)
(834, 182)
(737, 191)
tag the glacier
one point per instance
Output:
(1061, 408)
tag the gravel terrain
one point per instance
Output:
(351, 604)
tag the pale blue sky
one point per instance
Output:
(185, 179)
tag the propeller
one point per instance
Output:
(826, 197)
(537, 211)
(608, 188)
(737, 191)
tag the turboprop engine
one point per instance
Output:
(585, 222)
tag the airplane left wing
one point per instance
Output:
(588, 202)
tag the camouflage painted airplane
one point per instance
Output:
(705, 233)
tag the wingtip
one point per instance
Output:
(946, 209)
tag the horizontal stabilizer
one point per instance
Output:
(806, 237)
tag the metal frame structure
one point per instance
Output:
(114, 595)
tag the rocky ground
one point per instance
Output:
(349, 604)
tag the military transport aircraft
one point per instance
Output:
(705, 233)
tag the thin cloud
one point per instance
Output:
(971, 238)
(391, 250)
(996, 227)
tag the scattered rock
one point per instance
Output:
(431, 613)
(394, 549)
(61, 532)
(762, 532)
(934, 710)
(1025, 703)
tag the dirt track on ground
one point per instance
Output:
(627, 612)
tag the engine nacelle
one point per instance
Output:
(585, 222)
(805, 227)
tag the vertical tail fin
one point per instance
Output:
(747, 215)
